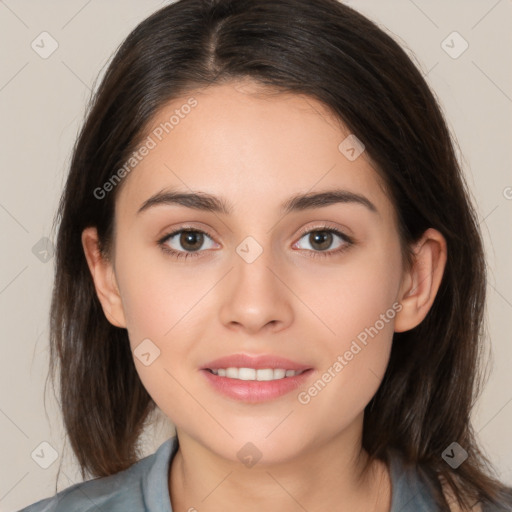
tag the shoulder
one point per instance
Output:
(410, 493)
(130, 489)
(110, 493)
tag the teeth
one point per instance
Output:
(252, 374)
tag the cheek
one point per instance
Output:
(357, 294)
(163, 311)
(157, 295)
(155, 304)
(357, 306)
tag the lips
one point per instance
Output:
(254, 391)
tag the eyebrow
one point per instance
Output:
(299, 202)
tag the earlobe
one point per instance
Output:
(421, 283)
(104, 279)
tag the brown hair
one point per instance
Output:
(330, 52)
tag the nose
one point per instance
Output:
(256, 295)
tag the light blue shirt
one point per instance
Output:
(144, 486)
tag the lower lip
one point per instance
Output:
(254, 391)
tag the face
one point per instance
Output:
(313, 287)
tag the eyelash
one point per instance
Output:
(349, 241)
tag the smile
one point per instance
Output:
(260, 374)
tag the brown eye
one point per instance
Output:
(191, 240)
(184, 243)
(321, 240)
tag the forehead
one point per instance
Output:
(250, 144)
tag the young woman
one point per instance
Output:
(265, 234)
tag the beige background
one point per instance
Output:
(42, 103)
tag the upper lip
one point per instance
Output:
(254, 361)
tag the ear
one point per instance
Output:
(420, 284)
(104, 278)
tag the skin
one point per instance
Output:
(256, 151)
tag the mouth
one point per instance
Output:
(255, 374)
(254, 379)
